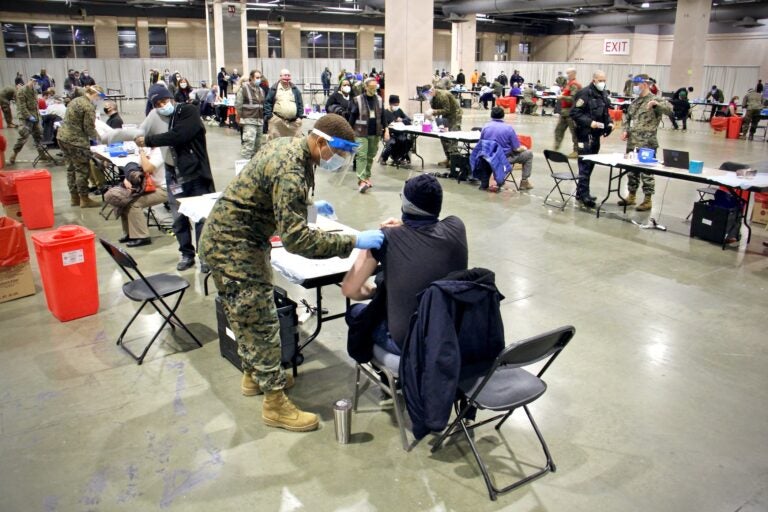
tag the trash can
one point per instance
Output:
(8, 194)
(35, 198)
(66, 258)
(734, 127)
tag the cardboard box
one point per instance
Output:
(13, 211)
(16, 282)
(760, 209)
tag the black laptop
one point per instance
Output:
(675, 158)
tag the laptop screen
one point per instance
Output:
(675, 158)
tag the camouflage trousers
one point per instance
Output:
(24, 131)
(564, 122)
(369, 146)
(450, 147)
(634, 178)
(78, 167)
(251, 140)
(251, 311)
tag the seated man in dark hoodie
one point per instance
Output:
(418, 249)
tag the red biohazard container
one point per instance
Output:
(66, 258)
(8, 194)
(734, 127)
(35, 198)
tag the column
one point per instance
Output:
(292, 45)
(105, 33)
(244, 38)
(364, 46)
(691, 29)
(218, 37)
(408, 47)
(463, 37)
(142, 37)
(263, 40)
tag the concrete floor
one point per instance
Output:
(657, 404)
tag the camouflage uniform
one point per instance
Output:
(75, 134)
(560, 81)
(7, 94)
(641, 125)
(270, 196)
(250, 107)
(753, 103)
(26, 107)
(529, 101)
(565, 121)
(444, 103)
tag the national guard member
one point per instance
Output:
(592, 118)
(565, 121)
(74, 137)
(270, 197)
(444, 103)
(529, 105)
(29, 115)
(641, 124)
(753, 104)
(7, 95)
(250, 110)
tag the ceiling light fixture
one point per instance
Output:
(645, 5)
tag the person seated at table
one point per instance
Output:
(207, 106)
(529, 103)
(539, 86)
(515, 90)
(505, 136)
(396, 146)
(418, 249)
(732, 110)
(113, 117)
(57, 108)
(135, 229)
(486, 95)
(680, 109)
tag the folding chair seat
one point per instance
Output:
(110, 174)
(149, 290)
(711, 189)
(560, 177)
(504, 387)
(383, 370)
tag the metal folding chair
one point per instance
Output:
(558, 158)
(109, 171)
(149, 290)
(383, 371)
(504, 387)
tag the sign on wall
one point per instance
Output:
(616, 47)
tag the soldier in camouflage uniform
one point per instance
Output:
(565, 121)
(445, 104)
(7, 95)
(250, 110)
(75, 134)
(560, 81)
(753, 104)
(29, 114)
(529, 104)
(640, 126)
(270, 197)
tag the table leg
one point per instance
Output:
(611, 179)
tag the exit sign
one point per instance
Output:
(616, 47)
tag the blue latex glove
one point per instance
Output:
(371, 239)
(32, 119)
(94, 142)
(325, 208)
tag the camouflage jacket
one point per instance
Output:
(79, 126)
(444, 103)
(529, 94)
(26, 103)
(642, 122)
(753, 101)
(561, 81)
(8, 94)
(269, 197)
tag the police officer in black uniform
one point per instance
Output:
(592, 119)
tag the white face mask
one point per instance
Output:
(600, 86)
(332, 164)
(635, 89)
(345, 89)
(183, 85)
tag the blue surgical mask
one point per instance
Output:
(635, 89)
(335, 163)
(165, 110)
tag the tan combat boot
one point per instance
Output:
(645, 205)
(630, 200)
(74, 199)
(280, 412)
(87, 202)
(525, 185)
(250, 387)
(574, 154)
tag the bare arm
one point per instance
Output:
(355, 284)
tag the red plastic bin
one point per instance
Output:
(35, 198)
(8, 194)
(66, 258)
(734, 127)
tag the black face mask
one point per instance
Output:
(106, 111)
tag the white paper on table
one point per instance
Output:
(759, 181)
(199, 207)
(298, 269)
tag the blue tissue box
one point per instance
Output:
(116, 150)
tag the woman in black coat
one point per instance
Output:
(340, 102)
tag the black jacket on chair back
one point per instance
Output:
(458, 323)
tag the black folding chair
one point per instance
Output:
(711, 189)
(148, 290)
(559, 177)
(505, 387)
(111, 174)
